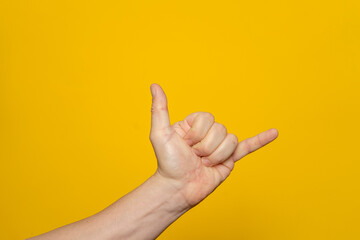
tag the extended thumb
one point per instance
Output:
(159, 110)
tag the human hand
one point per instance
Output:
(197, 154)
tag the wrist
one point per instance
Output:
(172, 193)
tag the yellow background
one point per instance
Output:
(75, 110)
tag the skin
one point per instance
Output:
(194, 157)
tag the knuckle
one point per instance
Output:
(208, 116)
(155, 108)
(233, 138)
(153, 136)
(220, 128)
(246, 147)
(258, 140)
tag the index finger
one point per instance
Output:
(200, 123)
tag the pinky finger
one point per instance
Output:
(252, 144)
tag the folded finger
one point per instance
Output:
(223, 152)
(200, 124)
(211, 141)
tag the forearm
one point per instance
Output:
(147, 211)
(143, 213)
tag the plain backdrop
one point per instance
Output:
(75, 110)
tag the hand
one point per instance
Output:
(197, 154)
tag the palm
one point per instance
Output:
(178, 161)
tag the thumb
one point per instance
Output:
(159, 110)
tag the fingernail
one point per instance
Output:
(206, 162)
(152, 90)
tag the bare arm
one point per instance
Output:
(194, 156)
